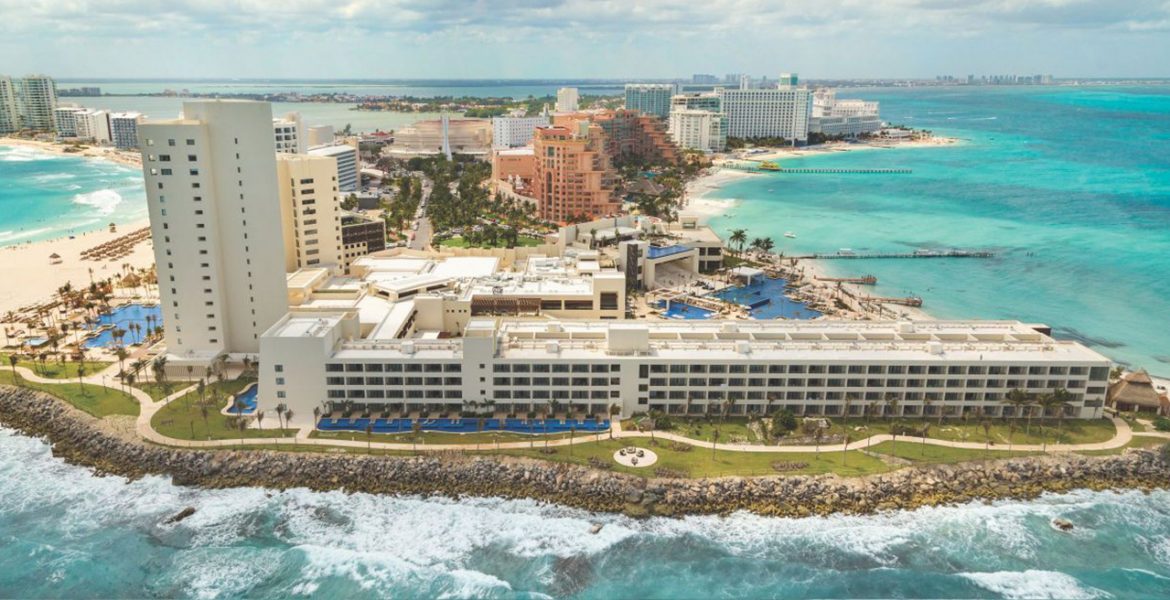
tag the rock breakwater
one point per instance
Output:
(81, 439)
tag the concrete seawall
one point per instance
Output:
(80, 439)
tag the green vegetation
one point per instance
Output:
(54, 369)
(703, 462)
(196, 415)
(423, 438)
(1137, 442)
(917, 452)
(1162, 424)
(488, 241)
(94, 399)
(159, 391)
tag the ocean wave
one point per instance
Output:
(48, 177)
(105, 201)
(20, 236)
(23, 154)
(1034, 585)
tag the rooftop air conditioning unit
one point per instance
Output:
(743, 347)
(906, 327)
(935, 348)
(553, 347)
(408, 347)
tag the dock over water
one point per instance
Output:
(915, 254)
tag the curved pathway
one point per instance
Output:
(149, 407)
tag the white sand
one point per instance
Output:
(29, 277)
(831, 147)
(127, 158)
(698, 201)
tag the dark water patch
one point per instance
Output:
(1068, 333)
(1162, 358)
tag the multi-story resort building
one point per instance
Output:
(66, 117)
(631, 133)
(310, 213)
(775, 112)
(215, 219)
(38, 94)
(92, 125)
(349, 164)
(697, 101)
(848, 118)
(572, 175)
(680, 251)
(9, 106)
(124, 129)
(432, 136)
(289, 133)
(650, 98)
(696, 129)
(360, 237)
(522, 330)
(568, 100)
(510, 132)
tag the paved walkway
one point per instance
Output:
(149, 407)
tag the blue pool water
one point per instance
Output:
(767, 299)
(121, 318)
(248, 398)
(682, 310)
(466, 425)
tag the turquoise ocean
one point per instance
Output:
(1070, 186)
(65, 533)
(45, 196)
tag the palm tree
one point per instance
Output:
(845, 449)
(203, 412)
(925, 432)
(1046, 403)
(714, 442)
(122, 355)
(767, 244)
(891, 405)
(12, 360)
(986, 425)
(259, 420)
(280, 408)
(369, 438)
(1020, 402)
(845, 414)
(1061, 400)
(738, 238)
(288, 415)
(81, 373)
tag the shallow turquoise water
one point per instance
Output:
(44, 196)
(1070, 185)
(67, 534)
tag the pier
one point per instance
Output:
(845, 171)
(916, 254)
(867, 280)
(914, 301)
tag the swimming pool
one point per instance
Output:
(682, 310)
(247, 398)
(766, 299)
(531, 426)
(121, 318)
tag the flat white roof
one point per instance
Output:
(394, 319)
(306, 326)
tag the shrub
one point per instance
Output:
(783, 422)
(1162, 424)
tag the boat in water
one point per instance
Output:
(789, 234)
(768, 165)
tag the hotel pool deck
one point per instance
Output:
(121, 318)
(471, 425)
(682, 310)
(765, 299)
(247, 398)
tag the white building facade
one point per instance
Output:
(289, 134)
(568, 100)
(650, 98)
(216, 225)
(9, 106)
(843, 117)
(775, 112)
(348, 165)
(512, 132)
(678, 367)
(93, 125)
(696, 129)
(66, 117)
(124, 129)
(38, 94)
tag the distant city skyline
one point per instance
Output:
(322, 39)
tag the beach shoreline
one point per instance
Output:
(837, 147)
(125, 158)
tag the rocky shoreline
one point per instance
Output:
(81, 439)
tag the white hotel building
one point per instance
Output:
(410, 332)
(777, 112)
(215, 219)
(512, 132)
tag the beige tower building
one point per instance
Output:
(215, 218)
(309, 211)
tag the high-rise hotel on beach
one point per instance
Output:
(409, 332)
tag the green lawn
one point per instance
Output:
(733, 430)
(158, 391)
(1076, 431)
(459, 242)
(1137, 442)
(94, 399)
(700, 462)
(926, 453)
(55, 370)
(183, 418)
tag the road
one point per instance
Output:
(424, 230)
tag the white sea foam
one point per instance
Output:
(106, 201)
(1034, 585)
(49, 177)
(22, 154)
(24, 234)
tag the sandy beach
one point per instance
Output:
(30, 278)
(832, 147)
(128, 158)
(698, 202)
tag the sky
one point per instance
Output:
(384, 39)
